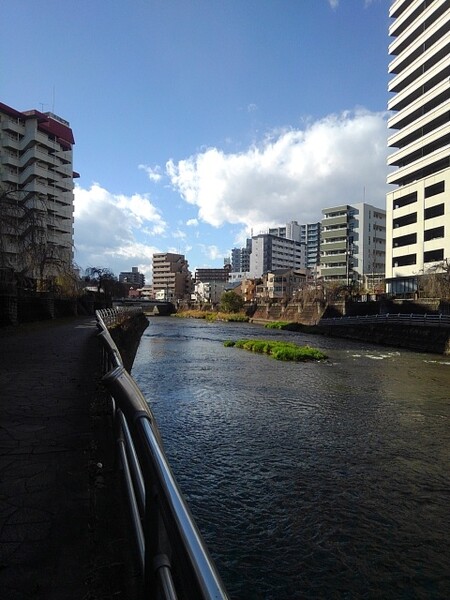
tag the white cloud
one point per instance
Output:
(192, 222)
(154, 173)
(333, 3)
(291, 175)
(108, 226)
(212, 252)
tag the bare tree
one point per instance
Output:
(435, 282)
(25, 244)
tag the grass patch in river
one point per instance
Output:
(278, 350)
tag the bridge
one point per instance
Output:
(150, 308)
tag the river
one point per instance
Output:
(307, 480)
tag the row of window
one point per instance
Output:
(411, 259)
(411, 218)
(429, 234)
(429, 192)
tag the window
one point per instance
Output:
(436, 188)
(433, 255)
(405, 240)
(406, 220)
(404, 200)
(402, 261)
(434, 211)
(433, 234)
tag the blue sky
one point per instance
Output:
(199, 121)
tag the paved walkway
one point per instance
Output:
(61, 536)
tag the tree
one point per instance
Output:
(25, 245)
(106, 281)
(231, 302)
(435, 283)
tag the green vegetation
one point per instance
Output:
(287, 326)
(230, 302)
(279, 350)
(213, 316)
(277, 325)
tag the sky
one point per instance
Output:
(198, 123)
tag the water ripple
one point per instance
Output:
(309, 480)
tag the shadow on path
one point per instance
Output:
(62, 522)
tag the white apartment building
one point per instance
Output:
(290, 231)
(353, 243)
(418, 209)
(209, 291)
(172, 279)
(36, 193)
(270, 252)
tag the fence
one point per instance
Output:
(173, 557)
(425, 320)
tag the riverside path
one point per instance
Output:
(61, 519)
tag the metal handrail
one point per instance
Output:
(421, 320)
(169, 544)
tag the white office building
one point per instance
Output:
(418, 209)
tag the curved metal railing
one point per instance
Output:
(173, 556)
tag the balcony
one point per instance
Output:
(415, 170)
(13, 125)
(333, 272)
(419, 41)
(437, 135)
(401, 98)
(10, 141)
(340, 234)
(8, 158)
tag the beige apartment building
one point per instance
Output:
(36, 194)
(172, 279)
(418, 209)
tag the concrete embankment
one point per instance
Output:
(435, 340)
(127, 337)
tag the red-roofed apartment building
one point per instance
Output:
(36, 193)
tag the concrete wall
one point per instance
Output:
(127, 337)
(397, 335)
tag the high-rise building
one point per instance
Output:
(353, 242)
(290, 231)
(240, 258)
(310, 236)
(270, 252)
(208, 275)
(36, 193)
(418, 210)
(133, 277)
(172, 279)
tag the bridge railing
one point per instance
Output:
(425, 320)
(173, 557)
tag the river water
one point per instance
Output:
(307, 480)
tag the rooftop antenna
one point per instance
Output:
(53, 99)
